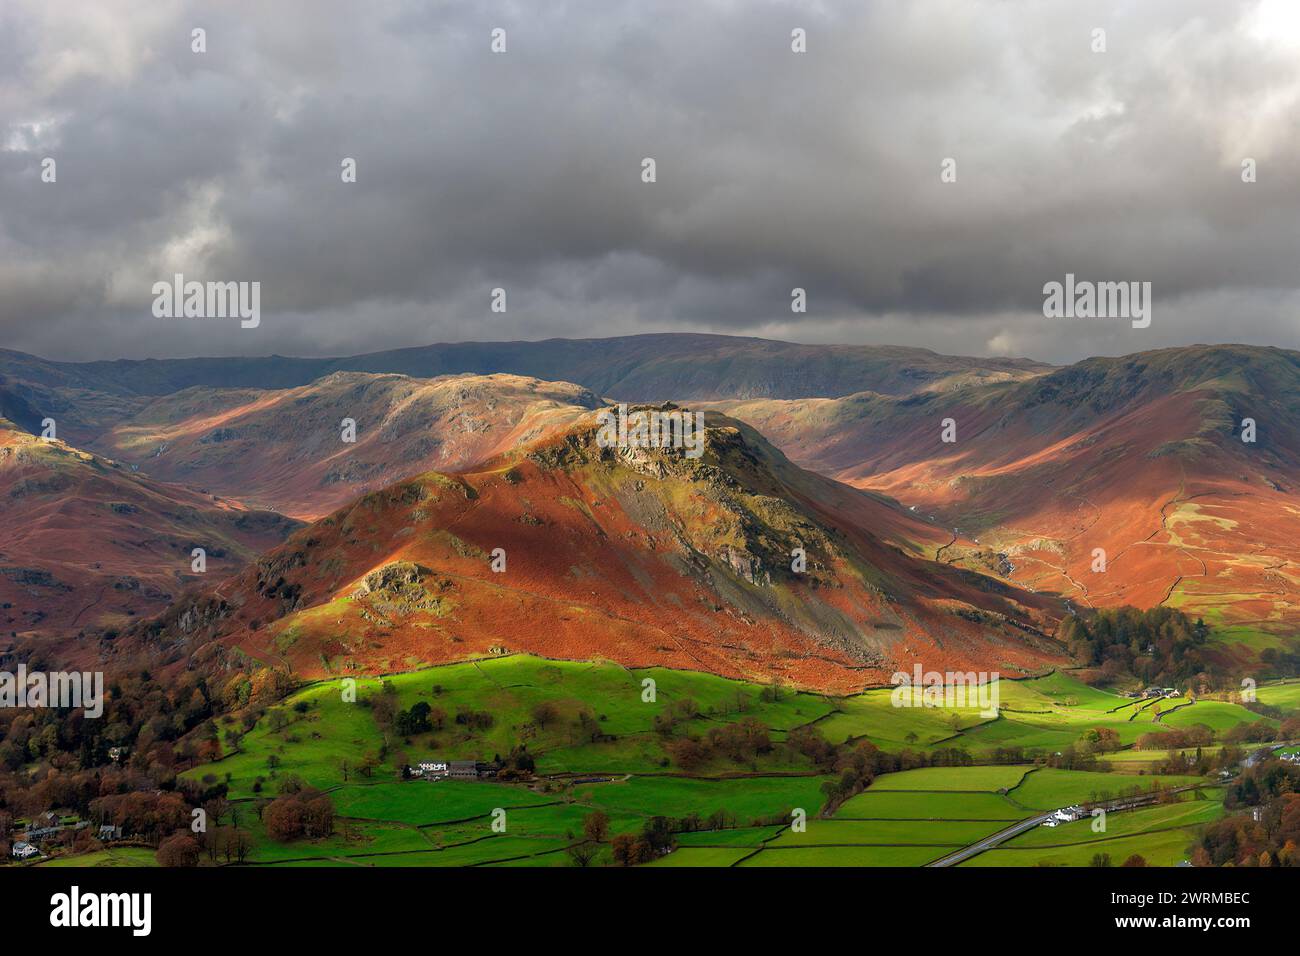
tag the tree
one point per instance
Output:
(303, 814)
(583, 853)
(596, 826)
(180, 849)
(625, 850)
(283, 819)
(318, 817)
(414, 721)
(1136, 860)
(1100, 859)
(545, 713)
(241, 843)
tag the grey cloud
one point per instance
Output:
(818, 170)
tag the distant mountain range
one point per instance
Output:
(679, 366)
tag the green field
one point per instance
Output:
(1160, 834)
(598, 724)
(1049, 789)
(703, 856)
(929, 813)
(1216, 714)
(741, 836)
(990, 779)
(1284, 695)
(1125, 823)
(881, 804)
(748, 798)
(421, 802)
(940, 833)
(114, 856)
(845, 856)
(325, 740)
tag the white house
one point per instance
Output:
(432, 770)
(24, 850)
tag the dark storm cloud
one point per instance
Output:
(522, 170)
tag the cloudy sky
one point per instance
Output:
(523, 170)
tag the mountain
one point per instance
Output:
(1140, 456)
(668, 366)
(284, 450)
(639, 556)
(86, 545)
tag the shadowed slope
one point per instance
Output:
(85, 544)
(1141, 457)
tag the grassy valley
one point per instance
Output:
(585, 744)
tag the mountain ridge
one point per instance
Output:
(648, 367)
(1139, 456)
(639, 556)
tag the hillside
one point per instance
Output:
(1139, 456)
(668, 366)
(641, 556)
(87, 545)
(283, 449)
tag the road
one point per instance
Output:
(989, 842)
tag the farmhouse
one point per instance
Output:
(437, 769)
(1070, 814)
(24, 850)
(431, 770)
(464, 770)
